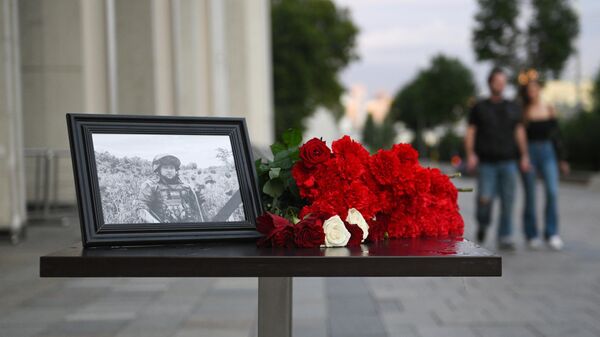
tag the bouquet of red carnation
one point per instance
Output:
(344, 195)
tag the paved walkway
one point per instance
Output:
(541, 294)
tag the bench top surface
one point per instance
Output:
(405, 257)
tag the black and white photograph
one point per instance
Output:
(159, 179)
(166, 178)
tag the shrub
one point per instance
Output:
(582, 140)
(450, 145)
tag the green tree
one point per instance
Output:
(369, 132)
(596, 93)
(378, 136)
(312, 41)
(544, 43)
(581, 136)
(582, 139)
(437, 95)
(496, 31)
(551, 35)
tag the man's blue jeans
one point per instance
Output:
(497, 178)
(543, 162)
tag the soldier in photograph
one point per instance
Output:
(165, 198)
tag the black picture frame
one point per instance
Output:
(95, 232)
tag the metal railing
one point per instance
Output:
(44, 203)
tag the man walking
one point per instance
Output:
(495, 140)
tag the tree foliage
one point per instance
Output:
(596, 93)
(437, 95)
(582, 140)
(581, 136)
(496, 31)
(312, 41)
(377, 136)
(551, 35)
(544, 43)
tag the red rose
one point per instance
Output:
(278, 231)
(309, 233)
(378, 227)
(356, 235)
(283, 237)
(314, 152)
(268, 222)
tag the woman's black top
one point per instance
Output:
(547, 129)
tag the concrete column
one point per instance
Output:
(12, 178)
(258, 72)
(94, 56)
(248, 66)
(135, 56)
(164, 81)
(191, 23)
(219, 58)
(53, 82)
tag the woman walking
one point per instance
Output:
(546, 154)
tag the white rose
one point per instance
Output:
(355, 218)
(336, 234)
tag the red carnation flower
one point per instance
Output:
(346, 146)
(351, 158)
(385, 167)
(408, 200)
(406, 154)
(359, 196)
(314, 152)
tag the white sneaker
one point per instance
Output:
(555, 242)
(535, 244)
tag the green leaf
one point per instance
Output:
(274, 172)
(277, 148)
(294, 154)
(286, 164)
(294, 189)
(286, 177)
(260, 167)
(292, 138)
(273, 188)
(279, 156)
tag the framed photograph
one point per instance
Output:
(158, 179)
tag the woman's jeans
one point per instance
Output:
(543, 162)
(497, 178)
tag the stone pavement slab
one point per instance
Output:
(541, 294)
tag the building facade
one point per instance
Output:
(147, 57)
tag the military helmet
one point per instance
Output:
(165, 159)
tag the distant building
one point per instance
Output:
(379, 106)
(566, 95)
(357, 106)
(354, 102)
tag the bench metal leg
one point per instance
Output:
(274, 307)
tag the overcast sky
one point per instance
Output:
(398, 37)
(199, 149)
